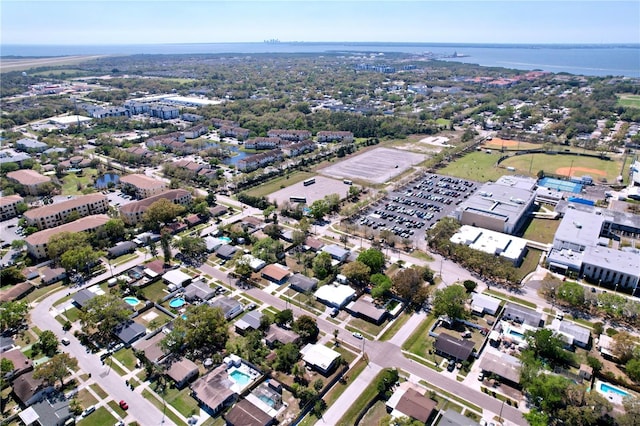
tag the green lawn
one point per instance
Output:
(155, 291)
(278, 183)
(99, 417)
(72, 314)
(158, 321)
(358, 405)
(628, 100)
(85, 180)
(530, 263)
(551, 164)
(159, 405)
(181, 400)
(358, 324)
(418, 343)
(541, 230)
(395, 326)
(86, 398)
(98, 390)
(503, 296)
(478, 166)
(375, 414)
(116, 407)
(126, 358)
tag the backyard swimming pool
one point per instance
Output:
(177, 302)
(225, 239)
(239, 377)
(133, 301)
(607, 388)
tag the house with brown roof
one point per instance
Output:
(142, 185)
(367, 309)
(276, 273)
(16, 292)
(218, 210)
(408, 402)
(9, 206)
(213, 390)
(244, 413)
(279, 336)
(152, 348)
(334, 136)
(313, 244)
(30, 180)
(182, 371)
(132, 213)
(53, 215)
(501, 364)
(29, 390)
(50, 275)
(37, 242)
(21, 364)
(256, 161)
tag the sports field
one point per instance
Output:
(378, 165)
(498, 143)
(481, 167)
(628, 100)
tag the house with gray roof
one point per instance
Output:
(575, 334)
(182, 371)
(198, 290)
(366, 309)
(301, 283)
(129, 331)
(230, 307)
(451, 347)
(226, 251)
(501, 364)
(121, 248)
(81, 297)
(453, 418)
(522, 314)
(213, 390)
(250, 321)
(482, 303)
(336, 252)
(31, 145)
(52, 410)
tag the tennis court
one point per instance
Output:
(561, 185)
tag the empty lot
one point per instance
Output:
(317, 191)
(376, 166)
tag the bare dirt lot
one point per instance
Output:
(317, 191)
(376, 166)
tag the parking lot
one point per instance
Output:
(409, 212)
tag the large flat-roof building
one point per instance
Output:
(57, 214)
(500, 206)
(37, 242)
(578, 230)
(132, 213)
(506, 246)
(143, 186)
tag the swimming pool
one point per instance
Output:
(225, 239)
(133, 301)
(516, 334)
(239, 377)
(270, 402)
(177, 302)
(607, 388)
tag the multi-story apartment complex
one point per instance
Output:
(9, 206)
(334, 136)
(38, 241)
(290, 135)
(30, 180)
(164, 112)
(256, 161)
(57, 214)
(295, 149)
(262, 143)
(143, 186)
(132, 213)
(234, 132)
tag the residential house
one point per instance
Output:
(9, 206)
(230, 307)
(320, 357)
(29, 390)
(501, 364)
(31, 145)
(132, 213)
(302, 283)
(50, 411)
(313, 244)
(249, 322)
(338, 253)
(50, 275)
(15, 292)
(453, 418)
(121, 249)
(218, 210)
(367, 309)
(213, 390)
(81, 297)
(152, 348)
(176, 278)
(21, 364)
(182, 372)
(129, 331)
(142, 186)
(30, 180)
(521, 314)
(279, 336)
(482, 303)
(244, 413)
(275, 273)
(451, 347)
(335, 295)
(226, 251)
(53, 215)
(573, 333)
(408, 402)
(254, 263)
(37, 242)
(198, 290)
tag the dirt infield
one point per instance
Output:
(378, 165)
(499, 142)
(565, 171)
(317, 191)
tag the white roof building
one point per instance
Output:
(506, 246)
(176, 277)
(481, 303)
(336, 295)
(319, 356)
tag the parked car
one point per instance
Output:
(65, 341)
(123, 404)
(358, 335)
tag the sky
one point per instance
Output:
(91, 22)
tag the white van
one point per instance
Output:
(88, 411)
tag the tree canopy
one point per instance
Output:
(357, 272)
(451, 301)
(408, 284)
(268, 249)
(102, 313)
(322, 265)
(161, 212)
(57, 368)
(307, 328)
(13, 314)
(202, 330)
(373, 258)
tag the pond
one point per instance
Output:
(103, 181)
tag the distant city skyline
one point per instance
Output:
(149, 22)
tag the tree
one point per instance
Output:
(13, 314)
(469, 285)
(319, 209)
(6, 367)
(165, 243)
(572, 293)
(153, 247)
(382, 284)
(307, 328)
(202, 330)
(47, 343)
(161, 212)
(102, 314)
(547, 345)
(242, 267)
(298, 238)
(286, 356)
(357, 272)
(268, 249)
(632, 367)
(427, 274)
(408, 284)
(11, 275)
(65, 241)
(284, 317)
(386, 381)
(373, 258)
(192, 247)
(273, 231)
(322, 265)
(79, 258)
(57, 368)
(451, 301)
(623, 347)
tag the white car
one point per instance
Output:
(358, 335)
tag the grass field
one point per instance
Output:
(70, 182)
(99, 417)
(627, 100)
(541, 230)
(478, 166)
(279, 183)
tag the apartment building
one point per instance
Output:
(9, 206)
(299, 148)
(132, 213)
(31, 145)
(38, 241)
(334, 136)
(29, 179)
(195, 131)
(234, 132)
(164, 112)
(262, 143)
(256, 161)
(290, 135)
(143, 186)
(54, 215)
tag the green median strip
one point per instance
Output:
(451, 396)
(503, 296)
